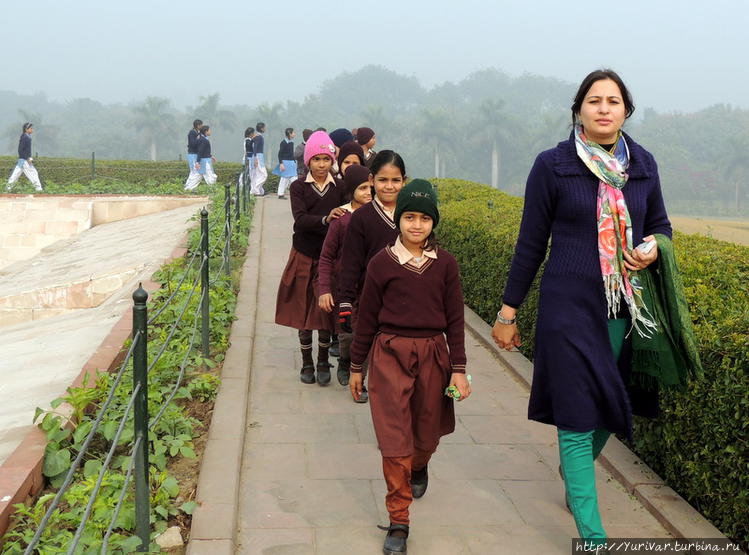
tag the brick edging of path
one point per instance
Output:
(214, 521)
(668, 507)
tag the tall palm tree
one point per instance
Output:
(212, 114)
(154, 118)
(495, 129)
(734, 167)
(434, 131)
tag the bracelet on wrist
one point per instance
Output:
(506, 321)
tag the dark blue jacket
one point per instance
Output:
(192, 142)
(577, 384)
(203, 147)
(258, 143)
(285, 151)
(249, 147)
(24, 146)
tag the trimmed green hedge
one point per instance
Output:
(700, 444)
(67, 171)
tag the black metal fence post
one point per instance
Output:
(244, 192)
(236, 203)
(140, 380)
(227, 228)
(93, 166)
(205, 312)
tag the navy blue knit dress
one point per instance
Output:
(577, 385)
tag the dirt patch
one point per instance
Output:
(733, 231)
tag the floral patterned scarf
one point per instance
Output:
(614, 228)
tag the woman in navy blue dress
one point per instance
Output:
(597, 196)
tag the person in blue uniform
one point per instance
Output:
(24, 164)
(286, 168)
(260, 174)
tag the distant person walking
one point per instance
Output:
(192, 144)
(301, 168)
(367, 139)
(205, 162)
(286, 168)
(24, 164)
(598, 196)
(249, 155)
(193, 136)
(260, 173)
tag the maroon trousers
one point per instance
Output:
(410, 412)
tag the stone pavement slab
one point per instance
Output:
(311, 481)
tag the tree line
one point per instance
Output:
(488, 127)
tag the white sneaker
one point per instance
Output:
(9, 187)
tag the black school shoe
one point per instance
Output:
(323, 373)
(335, 348)
(364, 397)
(395, 541)
(344, 371)
(419, 482)
(307, 374)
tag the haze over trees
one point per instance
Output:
(488, 127)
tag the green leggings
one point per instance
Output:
(578, 450)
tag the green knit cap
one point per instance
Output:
(418, 196)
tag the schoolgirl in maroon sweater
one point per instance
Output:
(356, 185)
(371, 228)
(410, 322)
(315, 203)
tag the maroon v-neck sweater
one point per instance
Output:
(411, 302)
(309, 206)
(369, 231)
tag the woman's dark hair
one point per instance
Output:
(289, 131)
(249, 131)
(598, 75)
(196, 124)
(26, 126)
(385, 157)
(204, 129)
(260, 126)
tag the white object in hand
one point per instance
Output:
(646, 246)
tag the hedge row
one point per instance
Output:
(68, 171)
(700, 444)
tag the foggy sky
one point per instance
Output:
(675, 56)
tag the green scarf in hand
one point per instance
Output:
(669, 358)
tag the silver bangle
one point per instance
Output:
(505, 321)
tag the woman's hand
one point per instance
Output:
(506, 336)
(325, 302)
(355, 382)
(461, 382)
(639, 260)
(337, 212)
(281, 167)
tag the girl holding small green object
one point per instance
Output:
(411, 318)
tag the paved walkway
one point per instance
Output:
(311, 479)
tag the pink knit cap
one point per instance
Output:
(318, 143)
